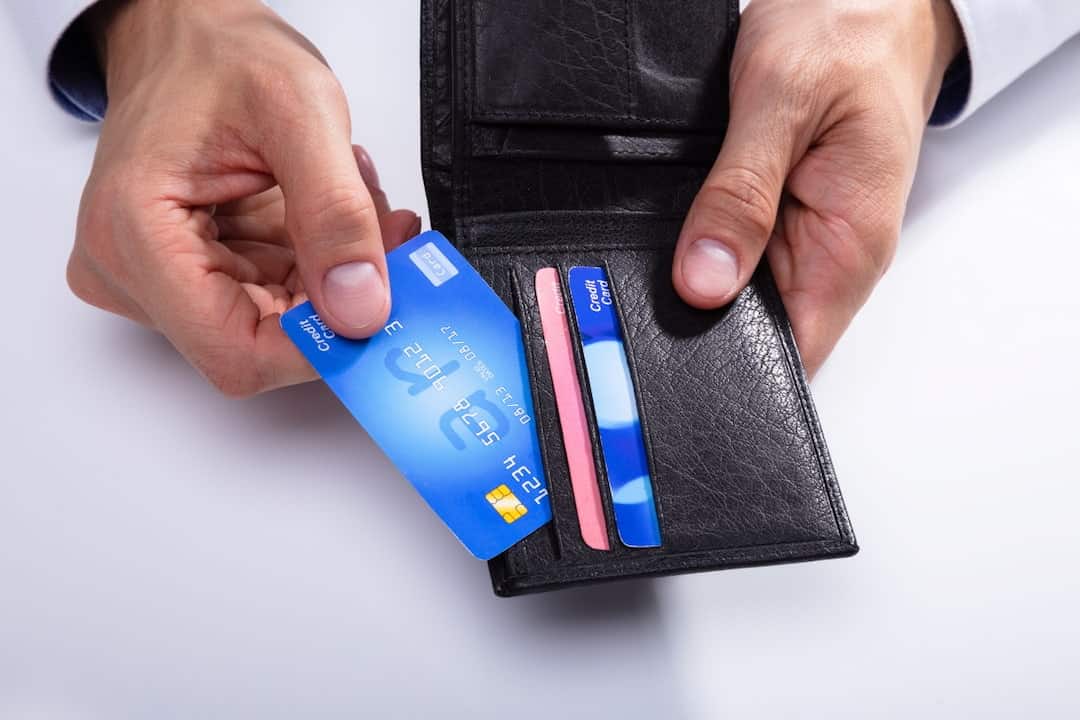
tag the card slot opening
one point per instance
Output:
(539, 412)
(573, 549)
(590, 411)
(614, 538)
(570, 546)
(591, 145)
(558, 232)
(635, 379)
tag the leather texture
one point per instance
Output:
(576, 132)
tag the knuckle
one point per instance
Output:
(334, 215)
(778, 66)
(228, 364)
(859, 250)
(90, 234)
(881, 250)
(229, 378)
(91, 245)
(287, 87)
(78, 279)
(323, 84)
(736, 196)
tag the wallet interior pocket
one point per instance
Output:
(737, 466)
(589, 63)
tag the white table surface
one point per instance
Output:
(167, 553)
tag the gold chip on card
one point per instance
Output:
(506, 504)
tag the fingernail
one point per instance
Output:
(710, 269)
(355, 294)
(414, 229)
(367, 169)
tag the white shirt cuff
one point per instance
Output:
(1004, 39)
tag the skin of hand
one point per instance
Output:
(225, 189)
(829, 101)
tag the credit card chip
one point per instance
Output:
(506, 504)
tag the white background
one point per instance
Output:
(166, 553)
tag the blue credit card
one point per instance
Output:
(615, 405)
(443, 390)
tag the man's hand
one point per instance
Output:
(829, 100)
(225, 189)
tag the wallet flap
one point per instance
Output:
(591, 63)
(510, 87)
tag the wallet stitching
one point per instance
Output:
(495, 115)
(502, 152)
(513, 250)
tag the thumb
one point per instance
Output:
(733, 215)
(332, 221)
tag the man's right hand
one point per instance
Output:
(225, 190)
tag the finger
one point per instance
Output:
(257, 218)
(273, 262)
(825, 270)
(399, 226)
(732, 217)
(331, 217)
(230, 332)
(370, 176)
(198, 293)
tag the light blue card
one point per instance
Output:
(444, 391)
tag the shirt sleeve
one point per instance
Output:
(1004, 39)
(59, 44)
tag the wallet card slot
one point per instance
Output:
(603, 471)
(566, 527)
(592, 145)
(541, 416)
(536, 185)
(555, 235)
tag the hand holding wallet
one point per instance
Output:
(561, 135)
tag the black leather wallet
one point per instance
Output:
(561, 133)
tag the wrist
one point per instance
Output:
(131, 35)
(948, 41)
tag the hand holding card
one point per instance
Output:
(443, 390)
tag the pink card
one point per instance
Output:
(575, 429)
